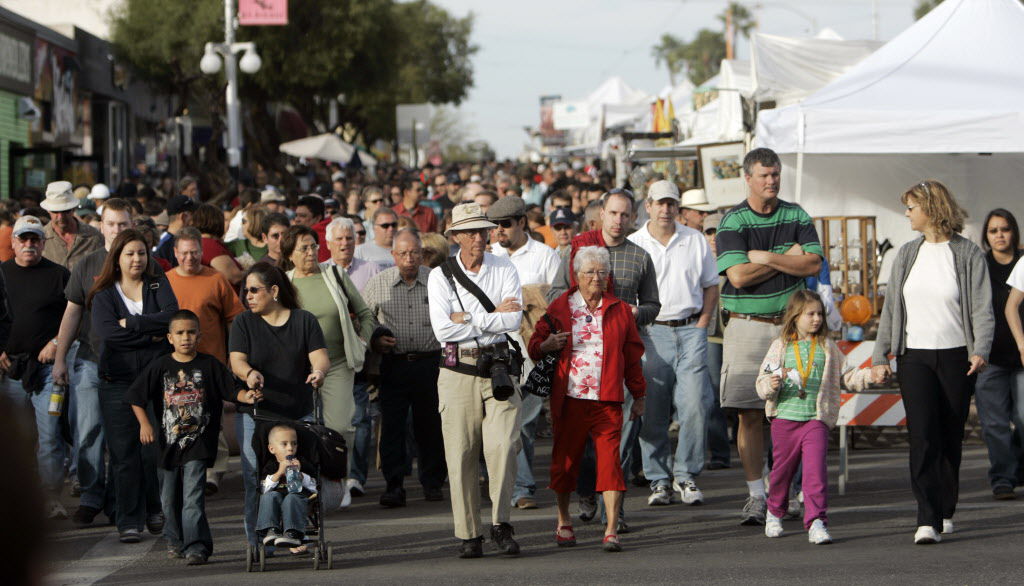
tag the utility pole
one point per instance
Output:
(729, 32)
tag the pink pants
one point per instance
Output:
(793, 443)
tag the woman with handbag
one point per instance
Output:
(329, 294)
(599, 348)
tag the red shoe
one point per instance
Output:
(611, 543)
(562, 540)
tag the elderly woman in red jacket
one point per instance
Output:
(599, 350)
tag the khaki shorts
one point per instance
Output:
(743, 349)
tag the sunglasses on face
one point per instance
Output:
(375, 201)
(507, 222)
(251, 290)
(388, 225)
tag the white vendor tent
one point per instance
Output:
(943, 100)
(613, 103)
(721, 119)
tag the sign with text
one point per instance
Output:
(262, 12)
(16, 57)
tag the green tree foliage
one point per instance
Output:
(924, 7)
(669, 51)
(702, 57)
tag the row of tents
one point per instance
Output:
(858, 122)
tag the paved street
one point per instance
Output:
(872, 525)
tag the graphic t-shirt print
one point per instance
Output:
(587, 351)
(185, 414)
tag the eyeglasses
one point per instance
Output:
(388, 225)
(561, 227)
(360, 232)
(507, 222)
(308, 248)
(374, 200)
(251, 290)
(595, 274)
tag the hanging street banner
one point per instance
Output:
(262, 12)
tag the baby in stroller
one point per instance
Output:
(285, 491)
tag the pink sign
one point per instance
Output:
(262, 12)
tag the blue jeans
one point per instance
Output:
(91, 445)
(718, 425)
(362, 420)
(136, 487)
(50, 444)
(182, 494)
(283, 511)
(999, 397)
(529, 411)
(676, 369)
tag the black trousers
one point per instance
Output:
(406, 385)
(937, 396)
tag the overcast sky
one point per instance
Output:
(530, 48)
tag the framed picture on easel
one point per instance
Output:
(721, 172)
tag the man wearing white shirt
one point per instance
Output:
(675, 363)
(378, 250)
(536, 263)
(472, 418)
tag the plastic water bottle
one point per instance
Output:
(57, 397)
(293, 476)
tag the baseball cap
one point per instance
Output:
(561, 216)
(179, 204)
(28, 224)
(663, 189)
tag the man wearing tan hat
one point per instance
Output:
(475, 301)
(273, 200)
(67, 239)
(693, 208)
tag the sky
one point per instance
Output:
(530, 48)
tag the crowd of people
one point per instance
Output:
(421, 298)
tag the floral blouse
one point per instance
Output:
(587, 350)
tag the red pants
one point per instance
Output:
(579, 419)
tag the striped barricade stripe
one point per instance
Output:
(861, 409)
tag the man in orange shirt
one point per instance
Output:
(425, 218)
(207, 293)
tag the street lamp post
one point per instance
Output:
(250, 63)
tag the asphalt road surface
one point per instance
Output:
(873, 526)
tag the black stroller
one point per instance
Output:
(321, 450)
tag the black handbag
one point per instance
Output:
(538, 382)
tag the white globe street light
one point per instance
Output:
(250, 62)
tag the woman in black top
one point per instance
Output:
(999, 391)
(279, 351)
(131, 304)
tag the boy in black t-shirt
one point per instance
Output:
(186, 389)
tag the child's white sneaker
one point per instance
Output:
(947, 526)
(818, 533)
(772, 525)
(926, 534)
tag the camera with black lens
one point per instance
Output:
(496, 366)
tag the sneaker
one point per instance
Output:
(393, 498)
(130, 536)
(795, 510)
(754, 511)
(174, 553)
(926, 535)
(947, 527)
(818, 533)
(472, 548)
(355, 488)
(501, 535)
(688, 492)
(622, 527)
(588, 508)
(1003, 492)
(772, 525)
(211, 488)
(84, 516)
(291, 538)
(155, 523)
(55, 510)
(195, 559)
(346, 497)
(271, 535)
(433, 494)
(526, 502)
(660, 496)
(76, 488)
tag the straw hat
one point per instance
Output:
(696, 199)
(468, 216)
(59, 197)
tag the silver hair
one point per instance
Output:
(595, 254)
(340, 223)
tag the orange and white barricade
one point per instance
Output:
(870, 408)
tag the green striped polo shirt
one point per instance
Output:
(741, 230)
(791, 406)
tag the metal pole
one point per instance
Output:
(231, 93)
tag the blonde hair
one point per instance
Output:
(799, 301)
(937, 202)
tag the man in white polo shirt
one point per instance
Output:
(675, 363)
(536, 264)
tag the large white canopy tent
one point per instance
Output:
(943, 100)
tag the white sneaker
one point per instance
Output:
(688, 492)
(925, 535)
(660, 495)
(818, 533)
(346, 497)
(947, 527)
(55, 510)
(772, 525)
(355, 487)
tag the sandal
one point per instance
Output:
(560, 536)
(611, 543)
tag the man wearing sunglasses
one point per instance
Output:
(536, 264)
(378, 250)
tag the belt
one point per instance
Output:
(414, 356)
(775, 320)
(475, 352)
(677, 323)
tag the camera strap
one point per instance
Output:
(453, 272)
